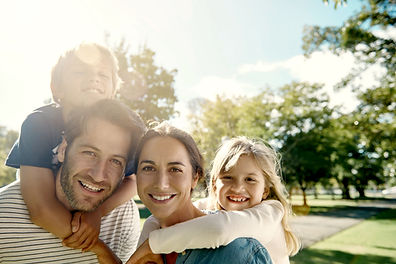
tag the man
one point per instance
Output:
(99, 143)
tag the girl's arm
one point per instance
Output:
(214, 230)
(38, 191)
(104, 253)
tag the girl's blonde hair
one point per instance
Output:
(268, 160)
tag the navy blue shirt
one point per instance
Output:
(41, 133)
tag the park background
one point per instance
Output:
(315, 78)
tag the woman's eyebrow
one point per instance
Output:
(147, 161)
(176, 163)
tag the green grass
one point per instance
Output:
(371, 241)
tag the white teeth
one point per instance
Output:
(90, 187)
(240, 199)
(161, 198)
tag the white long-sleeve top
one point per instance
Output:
(262, 222)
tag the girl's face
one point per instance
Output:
(164, 178)
(241, 187)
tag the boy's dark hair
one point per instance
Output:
(165, 130)
(111, 111)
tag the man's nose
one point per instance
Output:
(98, 172)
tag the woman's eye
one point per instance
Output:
(104, 76)
(175, 170)
(148, 168)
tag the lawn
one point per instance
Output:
(371, 241)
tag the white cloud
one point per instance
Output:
(210, 86)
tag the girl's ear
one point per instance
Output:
(266, 193)
(62, 150)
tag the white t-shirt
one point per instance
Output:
(262, 222)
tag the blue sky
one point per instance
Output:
(229, 47)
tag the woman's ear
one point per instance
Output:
(62, 150)
(195, 181)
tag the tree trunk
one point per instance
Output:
(360, 190)
(304, 197)
(345, 189)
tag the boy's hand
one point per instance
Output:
(86, 228)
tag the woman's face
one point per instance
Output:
(165, 178)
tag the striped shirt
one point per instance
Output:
(21, 241)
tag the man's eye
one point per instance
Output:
(116, 162)
(89, 153)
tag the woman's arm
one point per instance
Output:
(214, 230)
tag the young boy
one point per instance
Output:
(82, 75)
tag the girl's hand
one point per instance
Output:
(86, 228)
(144, 255)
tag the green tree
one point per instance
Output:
(302, 130)
(147, 88)
(7, 139)
(364, 35)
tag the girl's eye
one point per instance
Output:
(249, 179)
(226, 177)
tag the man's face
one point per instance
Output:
(85, 81)
(93, 165)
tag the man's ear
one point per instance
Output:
(62, 150)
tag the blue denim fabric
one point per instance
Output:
(239, 251)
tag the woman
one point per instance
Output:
(169, 166)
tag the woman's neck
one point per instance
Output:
(185, 214)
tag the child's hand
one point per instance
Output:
(86, 228)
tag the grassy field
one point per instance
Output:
(372, 241)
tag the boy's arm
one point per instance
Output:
(87, 224)
(124, 193)
(214, 230)
(38, 191)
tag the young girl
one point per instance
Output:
(245, 185)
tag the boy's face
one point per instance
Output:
(93, 165)
(85, 82)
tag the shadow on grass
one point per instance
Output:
(315, 256)
(144, 212)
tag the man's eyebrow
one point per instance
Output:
(98, 150)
